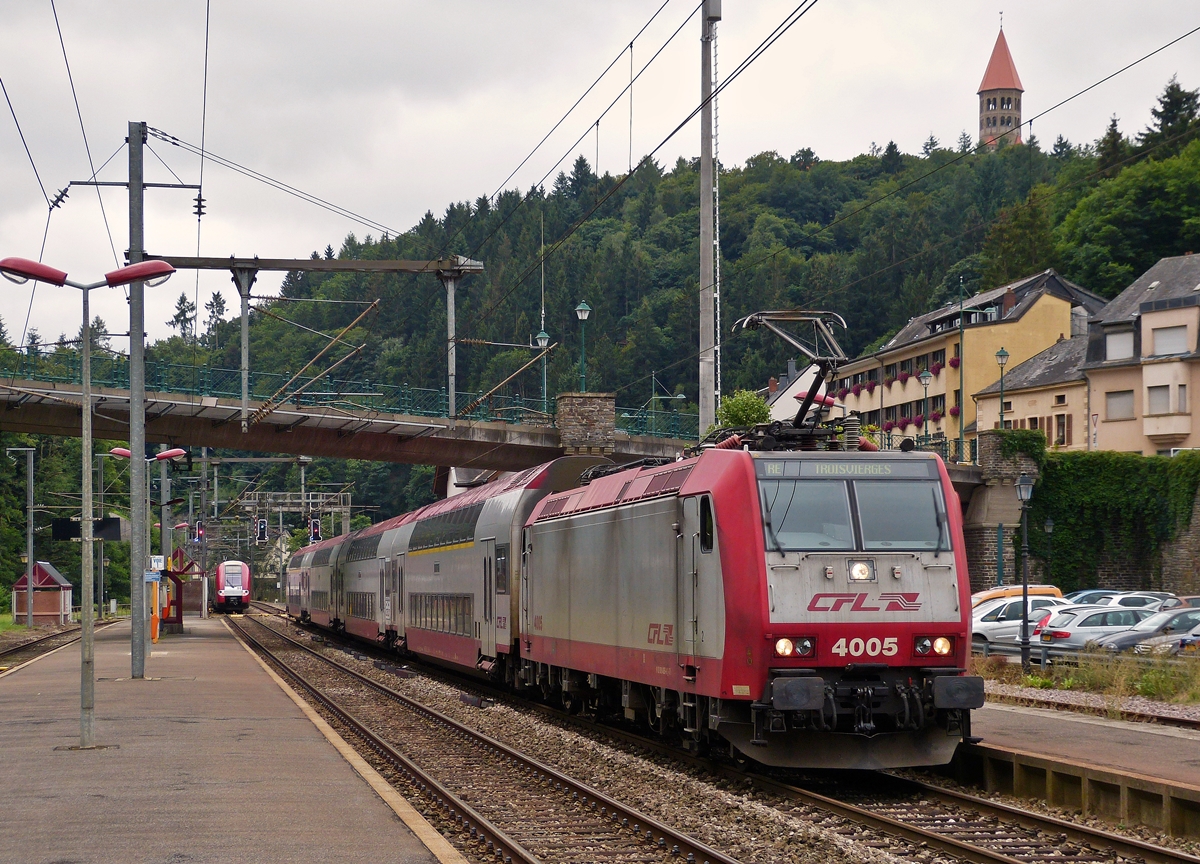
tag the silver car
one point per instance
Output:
(1001, 621)
(1153, 601)
(1171, 645)
(1076, 626)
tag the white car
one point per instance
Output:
(1076, 626)
(1000, 621)
(1152, 601)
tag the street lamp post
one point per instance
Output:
(1001, 361)
(925, 378)
(1049, 529)
(28, 451)
(21, 270)
(582, 311)
(1024, 486)
(543, 339)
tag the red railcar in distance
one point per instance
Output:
(232, 592)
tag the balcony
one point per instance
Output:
(1167, 429)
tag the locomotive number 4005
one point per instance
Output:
(872, 647)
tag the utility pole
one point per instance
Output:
(100, 557)
(166, 534)
(244, 278)
(87, 650)
(451, 283)
(708, 393)
(204, 537)
(138, 473)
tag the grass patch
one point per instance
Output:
(1166, 679)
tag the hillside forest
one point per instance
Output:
(878, 239)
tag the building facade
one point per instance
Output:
(959, 350)
(1000, 98)
(1049, 391)
(1142, 363)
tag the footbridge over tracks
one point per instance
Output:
(195, 407)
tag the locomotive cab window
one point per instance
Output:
(707, 528)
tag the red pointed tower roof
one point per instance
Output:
(1001, 72)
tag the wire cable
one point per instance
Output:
(32, 165)
(83, 131)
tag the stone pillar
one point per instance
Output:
(587, 423)
(992, 505)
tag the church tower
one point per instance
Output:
(1000, 98)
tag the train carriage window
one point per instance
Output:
(502, 568)
(707, 529)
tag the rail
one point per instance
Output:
(63, 366)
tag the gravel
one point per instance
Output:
(1093, 702)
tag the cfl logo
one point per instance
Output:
(661, 634)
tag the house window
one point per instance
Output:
(939, 357)
(1062, 428)
(958, 397)
(1008, 406)
(1183, 403)
(957, 349)
(872, 417)
(923, 362)
(1158, 399)
(1118, 346)
(938, 403)
(889, 371)
(906, 365)
(1118, 405)
(873, 375)
(1060, 398)
(890, 414)
(860, 378)
(1033, 422)
(1170, 340)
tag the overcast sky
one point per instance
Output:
(391, 109)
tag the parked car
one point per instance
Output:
(1090, 595)
(1151, 600)
(980, 597)
(1192, 600)
(1001, 622)
(1171, 645)
(1076, 626)
(1167, 622)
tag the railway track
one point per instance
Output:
(924, 815)
(503, 804)
(26, 651)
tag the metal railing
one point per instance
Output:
(62, 366)
(945, 447)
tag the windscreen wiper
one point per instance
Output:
(941, 522)
(770, 528)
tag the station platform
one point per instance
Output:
(1166, 752)
(207, 759)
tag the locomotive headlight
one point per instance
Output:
(942, 646)
(804, 646)
(923, 645)
(784, 647)
(862, 571)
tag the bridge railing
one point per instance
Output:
(945, 447)
(57, 364)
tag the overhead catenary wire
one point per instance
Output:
(83, 131)
(200, 183)
(24, 143)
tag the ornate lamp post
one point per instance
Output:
(1024, 486)
(1001, 360)
(543, 339)
(582, 311)
(925, 378)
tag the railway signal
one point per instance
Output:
(314, 529)
(261, 535)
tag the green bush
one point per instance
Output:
(743, 408)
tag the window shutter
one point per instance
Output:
(1068, 429)
(1022, 422)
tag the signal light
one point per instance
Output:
(261, 526)
(199, 532)
(314, 529)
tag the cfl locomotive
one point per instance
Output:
(233, 588)
(801, 607)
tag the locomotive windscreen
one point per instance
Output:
(888, 506)
(233, 576)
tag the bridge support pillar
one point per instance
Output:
(587, 423)
(994, 505)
